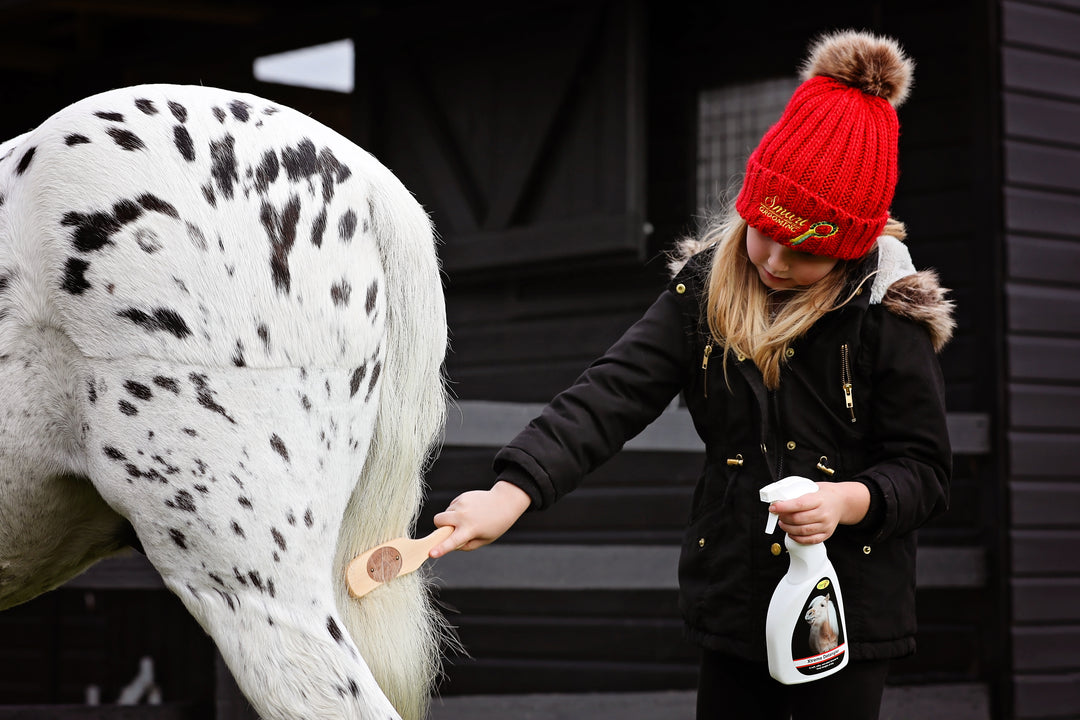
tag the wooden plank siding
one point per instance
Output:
(1040, 59)
(172, 711)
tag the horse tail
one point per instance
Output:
(396, 626)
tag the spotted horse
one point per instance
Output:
(221, 336)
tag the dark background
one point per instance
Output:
(555, 144)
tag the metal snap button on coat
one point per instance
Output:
(680, 288)
(775, 549)
(866, 549)
(790, 444)
(790, 352)
(701, 542)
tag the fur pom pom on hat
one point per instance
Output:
(823, 177)
(875, 65)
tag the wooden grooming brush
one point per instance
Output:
(393, 558)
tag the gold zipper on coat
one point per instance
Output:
(845, 372)
(705, 369)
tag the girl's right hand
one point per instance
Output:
(480, 517)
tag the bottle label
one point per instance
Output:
(818, 643)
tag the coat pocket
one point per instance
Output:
(711, 566)
(878, 582)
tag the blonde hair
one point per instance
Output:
(749, 320)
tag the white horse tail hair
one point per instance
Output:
(396, 626)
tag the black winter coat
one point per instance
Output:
(893, 438)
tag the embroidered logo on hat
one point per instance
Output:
(779, 214)
(821, 229)
(783, 217)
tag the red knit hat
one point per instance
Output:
(823, 177)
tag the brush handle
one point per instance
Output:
(392, 559)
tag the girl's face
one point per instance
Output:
(782, 268)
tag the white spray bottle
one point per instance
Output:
(805, 632)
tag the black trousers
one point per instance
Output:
(732, 689)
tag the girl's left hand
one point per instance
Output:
(813, 518)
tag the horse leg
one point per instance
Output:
(53, 523)
(236, 481)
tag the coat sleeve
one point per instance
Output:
(611, 402)
(910, 454)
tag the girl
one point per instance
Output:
(804, 343)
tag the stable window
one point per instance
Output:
(329, 66)
(731, 121)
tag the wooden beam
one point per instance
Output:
(956, 701)
(484, 423)
(512, 566)
(549, 241)
(170, 711)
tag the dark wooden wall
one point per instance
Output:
(1040, 63)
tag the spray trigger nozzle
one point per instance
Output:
(770, 524)
(788, 488)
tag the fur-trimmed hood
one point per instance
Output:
(921, 298)
(897, 286)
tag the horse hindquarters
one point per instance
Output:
(225, 236)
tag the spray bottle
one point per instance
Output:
(805, 632)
